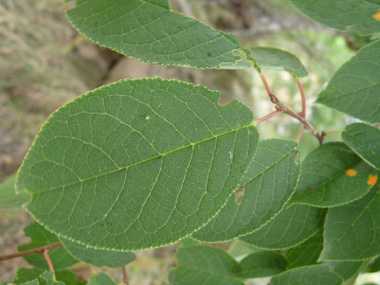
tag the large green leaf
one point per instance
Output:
(150, 31)
(355, 87)
(333, 175)
(278, 59)
(290, 228)
(331, 273)
(352, 232)
(265, 189)
(9, 198)
(101, 279)
(365, 141)
(60, 258)
(306, 253)
(261, 264)
(137, 164)
(343, 15)
(204, 265)
(98, 257)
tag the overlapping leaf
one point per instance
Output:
(333, 175)
(261, 264)
(9, 198)
(291, 227)
(137, 164)
(101, 279)
(204, 265)
(60, 258)
(352, 232)
(150, 31)
(306, 253)
(331, 273)
(355, 87)
(374, 265)
(265, 189)
(98, 257)
(365, 141)
(278, 59)
(344, 15)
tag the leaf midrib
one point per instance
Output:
(142, 161)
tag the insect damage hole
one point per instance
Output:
(239, 196)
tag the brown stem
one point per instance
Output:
(303, 97)
(31, 251)
(281, 107)
(125, 275)
(267, 117)
(48, 260)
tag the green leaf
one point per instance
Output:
(352, 232)
(306, 253)
(374, 265)
(355, 87)
(261, 264)
(204, 265)
(150, 31)
(9, 198)
(50, 279)
(332, 175)
(60, 258)
(331, 273)
(68, 277)
(98, 257)
(278, 59)
(101, 279)
(365, 141)
(265, 189)
(343, 15)
(24, 275)
(137, 164)
(291, 227)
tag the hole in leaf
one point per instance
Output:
(239, 196)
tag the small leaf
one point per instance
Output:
(306, 253)
(268, 185)
(24, 275)
(355, 87)
(365, 141)
(9, 198)
(68, 277)
(137, 164)
(291, 227)
(98, 257)
(50, 279)
(60, 258)
(101, 279)
(278, 59)
(332, 175)
(261, 264)
(152, 32)
(343, 15)
(352, 232)
(331, 273)
(204, 265)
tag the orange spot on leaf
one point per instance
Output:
(351, 172)
(376, 16)
(372, 180)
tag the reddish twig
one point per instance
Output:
(125, 275)
(299, 137)
(31, 251)
(267, 117)
(299, 117)
(48, 260)
(303, 98)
